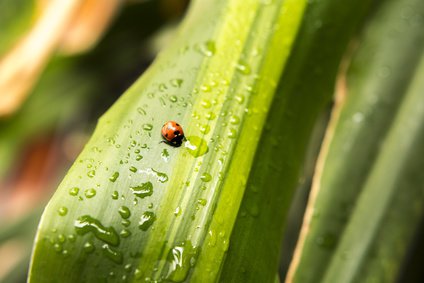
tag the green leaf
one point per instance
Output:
(391, 204)
(353, 228)
(217, 80)
(304, 93)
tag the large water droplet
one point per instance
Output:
(147, 127)
(196, 146)
(90, 193)
(74, 191)
(147, 220)
(124, 212)
(115, 195)
(160, 176)
(181, 258)
(112, 254)
(62, 211)
(114, 177)
(125, 233)
(86, 224)
(143, 190)
(91, 173)
(126, 222)
(206, 177)
(204, 129)
(210, 116)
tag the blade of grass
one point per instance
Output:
(304, 92)
(391, 204)
(217, 80)
(377, 79)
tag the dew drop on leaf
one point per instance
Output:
(196, 146)
(90, 193)
(206, 177)
(62, 211)
(147, 220)
(112, 254)
(74, 191)
(124, 212)
(87, 224)
(143, 190)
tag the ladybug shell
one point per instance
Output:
(173, 133)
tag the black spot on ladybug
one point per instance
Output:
(176, 133)
(177, 124)
(166, 135)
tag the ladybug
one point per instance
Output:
(173, 133)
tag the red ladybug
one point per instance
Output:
(173, 133)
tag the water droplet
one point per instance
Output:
(125, 222)
(239, 98)
(143, 190)
(58, 247)
(202, 201)
(206, 103)
(112, 254)
(210, 116)
(206, 177)
(115, 195)
(243, 68)
(212, 238)
(206, 88)
(138, 157)
(86, 224)
(74, 191)
(235, 120)
(62, 211)
(128, 267)
(181, 258)
(114, 177)
(204, 129)
(196, 146)
(137, 274)
(147, 220)
(160, 176)
(133, 169)
(124, 212)
(165, 155)
(178, 211)
(88, 247)
(207, 48)
(61, 238)
(91, 173)
(147, 127)
(173, 98)
(90, 193)
(141, 111)
(71, 238)
(125, 233)
(176, 82)
(232, 133)
(162, 87)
